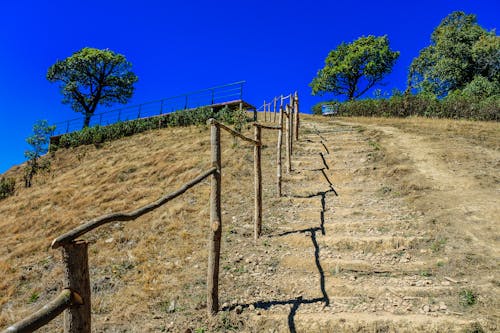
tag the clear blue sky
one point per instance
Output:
(181, 46)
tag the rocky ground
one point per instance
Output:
(351, 247)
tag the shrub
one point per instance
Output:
(99, 134)
(7, 187)
(457, 105)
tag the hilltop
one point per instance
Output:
(385, 225)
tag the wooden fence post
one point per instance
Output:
(215, 224)
(291, 123)
(257, 182)
(265, 111)
(297, 120)
(287, 142)
(274, 110)
(76, 278)
(278, 159)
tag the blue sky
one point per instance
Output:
(181, 46)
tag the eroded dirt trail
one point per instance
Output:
(476, 207)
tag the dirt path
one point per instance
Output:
(377, 234)
(459, 192)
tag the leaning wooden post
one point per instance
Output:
(278, 158)
(215, 224)
(76, 278)
(257, 150)
(287, 142)
(297, 120)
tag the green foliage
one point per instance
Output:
(233, 117)
(455, 106)
(99, 134)
(34, 297)
(352, 69)
(460, 51)
(38, 142)
(92, 77)
(467, 297)
(7, 187)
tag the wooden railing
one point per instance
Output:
(76, 298)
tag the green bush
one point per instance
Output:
(7, 187)
(456, 105)
(99, 134)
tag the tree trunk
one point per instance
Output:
(86, 120)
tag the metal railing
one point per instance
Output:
(204, 97)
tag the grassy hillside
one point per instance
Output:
(379, 217)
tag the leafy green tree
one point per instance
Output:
(352, 69)
(38, 142)
(92, 77)
(460, 50)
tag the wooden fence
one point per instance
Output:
(75, 297)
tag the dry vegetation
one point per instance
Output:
(410, 243)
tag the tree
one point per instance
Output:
(352, 69)
(460, 51)
(92, 77)
(38, 142)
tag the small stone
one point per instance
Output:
(225, 305)
(109, 240)
(238, 309)
(426, 308)
(171, 308)
(442, 306)
(251, 307)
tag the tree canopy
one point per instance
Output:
(352, 69)
(92, 77)
(38, 142)
(461, 52)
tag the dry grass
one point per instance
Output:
(139, 267)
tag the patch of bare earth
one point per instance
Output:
(385, 226)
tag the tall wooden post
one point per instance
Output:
(76, 278)
(257, 150)
(215, 224)
(278, 158)
(287, 142)
(297, 120)
(274, 110)
(265, 110)
(291, 124)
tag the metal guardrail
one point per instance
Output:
(209, 96)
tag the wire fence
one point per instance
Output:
(205, 97)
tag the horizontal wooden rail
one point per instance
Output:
(49, 311)
(212, 121)
(115, 217)
(267, 126)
